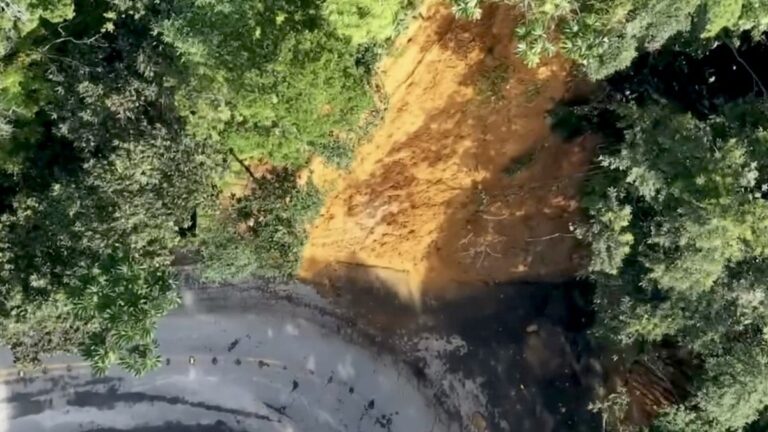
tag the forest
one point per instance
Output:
(125, 124)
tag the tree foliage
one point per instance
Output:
(19, 17)
(116, 119)
(365, 21)
(290, 82)
(679, 246)
(606, 35)
(275, 86)
(101, 173)
(264, 230)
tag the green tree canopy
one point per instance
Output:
(275, 86)
(606, 35)
(679, 244)
(116, 120)
(100, 174)
(19, 17)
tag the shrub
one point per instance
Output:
(604, 36)
(264, 232)
(680, 251)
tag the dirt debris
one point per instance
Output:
(463, 184)
(325, 176)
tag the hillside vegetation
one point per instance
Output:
(119, 121)
(124, 124)
(604, 36)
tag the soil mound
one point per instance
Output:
(463, 184)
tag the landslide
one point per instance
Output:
(463, 183)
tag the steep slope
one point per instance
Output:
(462, 184)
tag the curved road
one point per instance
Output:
(270, 357)
(232, 363)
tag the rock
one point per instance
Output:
(479, 423)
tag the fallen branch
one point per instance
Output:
(551, 236)
(495, 217)
(749, 69)
(73, 40)
(244, 165)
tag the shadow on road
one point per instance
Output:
(518, 351)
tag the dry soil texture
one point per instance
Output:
(463, 184)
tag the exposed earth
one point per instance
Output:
(462, 184)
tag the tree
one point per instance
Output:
(605, 36)
(276, 86)
(102, 173)
(289, 82)
(264, 230)
(680, 251)
(19, 17)
(364, 21)
(116, 121)
(76, 276)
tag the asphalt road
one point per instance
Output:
(266, 357)
(234, 361)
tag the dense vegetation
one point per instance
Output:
(259, 233)
(680, 240)
(604, 36)
(678, 227)
(97, 173)
(121, 120)
(276, 95)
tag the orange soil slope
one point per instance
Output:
(430, 207)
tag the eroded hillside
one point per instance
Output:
(463, 183)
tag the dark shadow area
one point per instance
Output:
(696, 83)
(524, 345)
(9, 187)
(524, 353)
(532, 352)
(44, 157)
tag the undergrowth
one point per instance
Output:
(260, 233)
(491, 82)
(323, 105)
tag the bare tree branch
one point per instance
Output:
(244, 165)
(749, 69)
